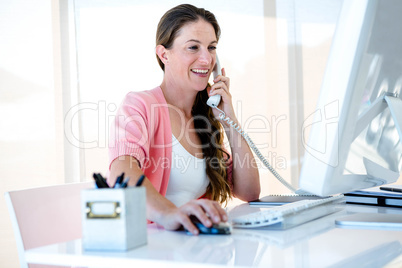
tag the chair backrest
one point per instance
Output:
(45, 215)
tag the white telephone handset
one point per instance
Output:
(214, 101)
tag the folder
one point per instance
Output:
(374, 197)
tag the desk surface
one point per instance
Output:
(319, 243)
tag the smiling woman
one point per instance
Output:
(176, 110)
(191, 56)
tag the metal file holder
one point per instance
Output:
(113, 219)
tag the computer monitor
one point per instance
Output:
(355, 133)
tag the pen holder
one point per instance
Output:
(113, 219)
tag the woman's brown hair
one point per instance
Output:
(212, 141)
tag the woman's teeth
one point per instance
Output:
(199, 71)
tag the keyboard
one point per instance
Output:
(289, 215)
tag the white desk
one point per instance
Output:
(319, 243)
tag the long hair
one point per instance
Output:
(212, 141)
(212, 148)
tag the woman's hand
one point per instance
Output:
(207, 211)
(221, 87)
(160, 210)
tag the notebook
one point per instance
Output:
(375, 197)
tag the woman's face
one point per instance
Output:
(193, 55)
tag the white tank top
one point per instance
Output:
(188, 178)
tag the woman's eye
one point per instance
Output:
(212, 48)
(193, 47)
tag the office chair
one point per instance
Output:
(45, 215)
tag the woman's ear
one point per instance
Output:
(161, 51)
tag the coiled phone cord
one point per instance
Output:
(230, 122)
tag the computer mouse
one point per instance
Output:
(221, 228)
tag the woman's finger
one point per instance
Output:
(187, 224)
(194, 208)
(222, 212)
(223, 78)
(219, 85)
(221, 91)
(213, 209)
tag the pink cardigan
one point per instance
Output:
(142, 130)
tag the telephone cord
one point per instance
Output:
(236, 127)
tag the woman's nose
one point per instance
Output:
(205, 57)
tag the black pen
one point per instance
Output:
(98, 184)
(390, 189)
(100, 181)
(140, 180)
(103, 180)
(119, 181)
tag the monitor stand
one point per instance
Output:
(390, 101)
(377, 220)
(376, 174)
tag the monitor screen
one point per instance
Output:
(354, 134)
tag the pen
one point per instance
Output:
(125, 182)
(98, 184)
(140, 180)
(103, 181)
(100, 181)
(390, 189)
(119, 180)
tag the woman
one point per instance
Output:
(172, 136)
